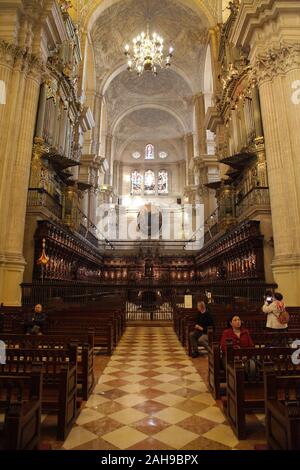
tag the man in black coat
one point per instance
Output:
(204, 319)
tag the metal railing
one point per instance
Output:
(222, 292)
(88, 229)
(211, 225)
(255, 197)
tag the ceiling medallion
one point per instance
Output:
(147, 53)
(163, 154)
(136, 155)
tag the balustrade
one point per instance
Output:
(39, 197)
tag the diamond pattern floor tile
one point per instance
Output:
(151, 395)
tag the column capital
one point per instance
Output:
(198, 96)
(189, 135)
(276, 61)
(10, 53)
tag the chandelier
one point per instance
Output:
(147, 53)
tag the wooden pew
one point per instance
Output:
(95, 310)
(103, 333)
(216, 373)
(59, 394)
(244, 395)
(20, 399)
(282, 397)
(85, 352)
(109, 324)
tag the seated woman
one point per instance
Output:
(240, 336)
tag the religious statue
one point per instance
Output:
(234, 6)
(148, 268)
(65, 5)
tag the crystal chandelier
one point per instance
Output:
(147, 53)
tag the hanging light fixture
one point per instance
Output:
(147, 53)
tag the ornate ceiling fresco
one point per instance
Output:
(168, 90)
(149, 125)
(85, 10)
(178, 25)
(140, 109)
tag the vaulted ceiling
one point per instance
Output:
(148, 108)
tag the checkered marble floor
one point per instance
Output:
(151, 395)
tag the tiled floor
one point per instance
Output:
(151, 395)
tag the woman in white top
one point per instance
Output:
(273, 311)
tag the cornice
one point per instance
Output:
(262, 22)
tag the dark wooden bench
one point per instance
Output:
(85, 352)
(20, 400)
(244, 395)
(59, 394)
(103, 333)
(282, 396)
(109, 324)
(216, 372)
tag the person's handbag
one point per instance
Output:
(252, 368)
(35, 330)
(283, 317)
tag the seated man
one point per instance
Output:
(203, 320)
(36, 321)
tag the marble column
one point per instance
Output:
(97, 119)
(214, 40)
(21, 115)
(189, 145)
(200, 118)
(109, 158)
(277, 70)
(84, 203)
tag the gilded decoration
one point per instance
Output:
(39, 149)
(51, 89)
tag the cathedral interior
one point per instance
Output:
(149, 160)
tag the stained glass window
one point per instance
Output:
(149, 152)
(162, 182)
(149, 186)
(136, 182)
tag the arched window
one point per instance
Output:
(149, 152)
(162, 182)
(136, 182)
(149, 185)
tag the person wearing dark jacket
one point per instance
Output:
(36, 321)
(203, 320)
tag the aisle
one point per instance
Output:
(150, 396)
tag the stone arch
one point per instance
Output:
(120, 68)
(150, 106)
(200, 7)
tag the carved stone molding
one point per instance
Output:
(276, 61)
(35, 66)
(9, 53)
(15, 56)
